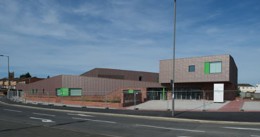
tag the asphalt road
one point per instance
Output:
(29, 122)
(216, 116)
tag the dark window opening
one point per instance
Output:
(192, 68)
(140, 78)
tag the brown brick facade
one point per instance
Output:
(199, 80)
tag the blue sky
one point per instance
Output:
(52, 37)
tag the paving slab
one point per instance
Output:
(182, 105)
(251, 106)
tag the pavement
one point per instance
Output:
(236, 105)
(181, 105)
(162, 105)
(233, 106)
(251, 106)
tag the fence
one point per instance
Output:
(86, 99)
(189, 100)
(250, 95)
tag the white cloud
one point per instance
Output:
(212, 30)
(51, 17)
(51, 37)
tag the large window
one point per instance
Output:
(213, 67)
(191, 68)
(69, 92)
(75, 92)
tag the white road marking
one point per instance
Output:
(42, 114)
(95, 120)
(13, 110)
(82, 115)
(109, 135)
(176, 129)
(42, 119)
(242, 128)
(255, 136)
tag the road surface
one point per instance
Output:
(29, 122)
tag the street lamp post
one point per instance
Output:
(8, 70)
(173, 61)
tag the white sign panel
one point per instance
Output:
(219, 93)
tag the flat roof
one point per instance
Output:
(199, 57)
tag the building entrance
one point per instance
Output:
(156, 94)
(188, 94)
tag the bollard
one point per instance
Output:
(48, 97)
(106, 100)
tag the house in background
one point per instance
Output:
(246, 90)
(11, 83)
(257, 88)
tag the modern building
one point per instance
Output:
(122, 74)
(116, 85)
(195, 77)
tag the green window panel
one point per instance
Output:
(58, 92)
(206, 68)
(62, 91)
(65, 91)
(212, 67)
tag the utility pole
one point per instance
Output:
(173, 60)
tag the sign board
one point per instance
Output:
(130, 91)
(62, 92)
(219, 93)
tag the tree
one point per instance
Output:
(26, 75)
